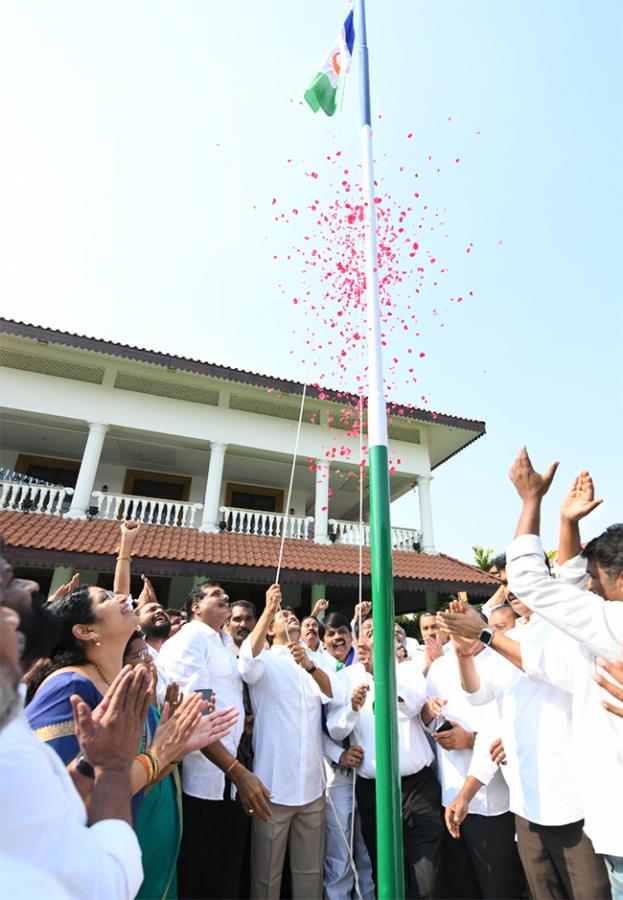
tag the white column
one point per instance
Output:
(321, 510)
(211, 516)
(88, 468)
(426, 513)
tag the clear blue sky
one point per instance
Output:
(142, 145)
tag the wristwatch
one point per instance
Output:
(84, 766)
(312, 670)
(486, 635)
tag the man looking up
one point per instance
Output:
(196, 658)
(287, 693)
(155, 625)
(341, 761)
(242, 621)
(352, 714)
(311, 634)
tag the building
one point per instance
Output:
(95, 431)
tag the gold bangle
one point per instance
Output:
(129, 558)
(231, 766)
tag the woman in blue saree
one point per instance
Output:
(95, 628)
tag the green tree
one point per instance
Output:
(483, 558)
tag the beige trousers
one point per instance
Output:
(301, 828)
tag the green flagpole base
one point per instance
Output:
(390, 866)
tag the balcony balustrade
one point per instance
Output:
(266, 524)
(149, 510)
(344, 532)
(40, 498)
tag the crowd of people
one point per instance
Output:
(218, 752)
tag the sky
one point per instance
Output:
(149, 151)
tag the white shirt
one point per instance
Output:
(443, 680)
(287, 732)
(414, 750)
(536, 732)
(197, 657)
(162, 682)
(596, 627)
(44, 824)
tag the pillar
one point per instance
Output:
(81, 499)
(321, 510)
(211, 516)
(318, 592)
(426, 513)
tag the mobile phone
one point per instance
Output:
(462, 595)
(445, 726)
(206, 693)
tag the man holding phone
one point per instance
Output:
(482, 858)
(210, 862)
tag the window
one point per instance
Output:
(249, 496)
(156, 484)
(54, 471)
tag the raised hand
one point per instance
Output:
(319, 607)
(362, 609)
(273, 599)
(528, 483)
(65, 588)
(580, 501)
(299, 655)
(147, 594)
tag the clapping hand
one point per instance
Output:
(580, 501)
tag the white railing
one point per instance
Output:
(39, 498)
(352, 533)
(266, 524)
(149, 510)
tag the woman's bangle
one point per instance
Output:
(231, 766)
(151, 764)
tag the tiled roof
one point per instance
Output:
(36, 532)
(227, 373)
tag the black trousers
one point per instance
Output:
(214, 840)
(422, 829)
(483, 862)
(560, 862)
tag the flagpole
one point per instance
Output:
(390, 872)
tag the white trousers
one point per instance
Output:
(339, 879)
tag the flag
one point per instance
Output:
(323, 92)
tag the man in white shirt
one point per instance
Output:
(287, 692)
(197, 658)
(557, 856)
(353, 714)
(44, 821)
(341, 761)
(594, 620)
(483, 858)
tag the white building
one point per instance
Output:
(202, 455)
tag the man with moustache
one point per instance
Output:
(287, 692)
(242, 621)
